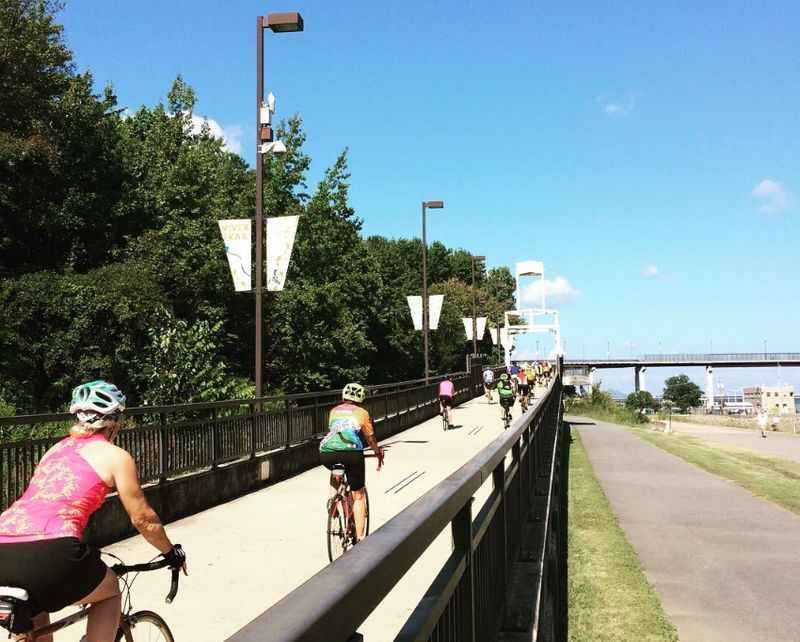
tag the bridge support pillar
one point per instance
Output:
(709, 388)
(591, 377)
(637, 371)
(643, 378)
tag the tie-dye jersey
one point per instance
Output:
(347, 425)
(64, 492)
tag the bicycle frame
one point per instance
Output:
(85, 609)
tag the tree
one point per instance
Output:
(500, 285)
(59, 171)
(682, 392)
(640, 401)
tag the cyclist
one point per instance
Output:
(488, 383)
(446, 392)
(523, 388)
(41, 545)
(506, 394)
(349, 427)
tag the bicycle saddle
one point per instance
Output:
(14, 592)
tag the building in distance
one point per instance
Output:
(776, 400)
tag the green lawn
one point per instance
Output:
(610, 598)
(771, 478)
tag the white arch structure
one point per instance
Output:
(523, 321)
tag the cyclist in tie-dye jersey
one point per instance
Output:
(349, 433)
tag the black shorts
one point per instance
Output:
(353, 462)
(446, 401)
(55, 572)
(490, 385)
(524, 390)
(507, 402)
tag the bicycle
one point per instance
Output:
(341, 519)
(143, 625)
(506, 417)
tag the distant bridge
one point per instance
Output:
(722, 360)
(580, 372)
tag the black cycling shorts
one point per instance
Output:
(507, 402)
(490, 385)
(524, 389)
(446, 401)
(353, 462)
(55, 572)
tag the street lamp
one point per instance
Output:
(277, 23)
(475, 259)
(434, 205)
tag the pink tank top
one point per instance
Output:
(446, 389)
(63, 494)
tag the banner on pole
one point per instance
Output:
(480, 323)
(435, 309)
(237, 236)
(467, 321)
(415, 306)
(506, 339)
(481, 327)
(281, 231)
(493, 333)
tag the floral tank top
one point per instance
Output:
(64, 492)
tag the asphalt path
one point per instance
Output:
(247, 554)
(778, 444)
(724, 563)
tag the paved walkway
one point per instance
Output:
(246, 555)
(725, 564)
(778, 444)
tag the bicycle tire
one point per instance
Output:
(366, 505)
(153, 622)
(336, 533)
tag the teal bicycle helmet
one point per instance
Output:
(98, 397)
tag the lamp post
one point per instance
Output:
(475, 259)
(278, 23)
(434, 205)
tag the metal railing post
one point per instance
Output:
(255, 411)
(214, 438)
(462, 541)
(162, 436)
(499, 483)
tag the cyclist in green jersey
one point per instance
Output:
(506, 393)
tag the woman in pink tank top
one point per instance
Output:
(41, 534)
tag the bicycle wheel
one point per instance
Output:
(366, 505)
(144, 626)
(338, 540)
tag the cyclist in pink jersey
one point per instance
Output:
(41, 545)
(446, 393)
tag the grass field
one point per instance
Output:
(772, 478)
(610, 598)
(789, 423)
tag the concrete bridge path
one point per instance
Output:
(724, 563)
(247, 554)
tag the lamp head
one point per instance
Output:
(284, 22)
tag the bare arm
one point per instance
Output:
(143, 517)
(373, 443)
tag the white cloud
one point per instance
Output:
(651, 272)
(773, 196)
(231, 135)
(620, 106)
(558, 289)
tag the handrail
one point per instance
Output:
(335, 602)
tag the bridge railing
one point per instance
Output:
(517, 539)
(171, 441)
(687, 357)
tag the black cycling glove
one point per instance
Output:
(176, 558)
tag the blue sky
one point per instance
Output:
(646, 152)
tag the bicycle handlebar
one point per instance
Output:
(122, 569)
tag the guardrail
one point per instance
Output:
(516, 541)
(171, 441)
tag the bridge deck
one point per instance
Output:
(246, 555)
